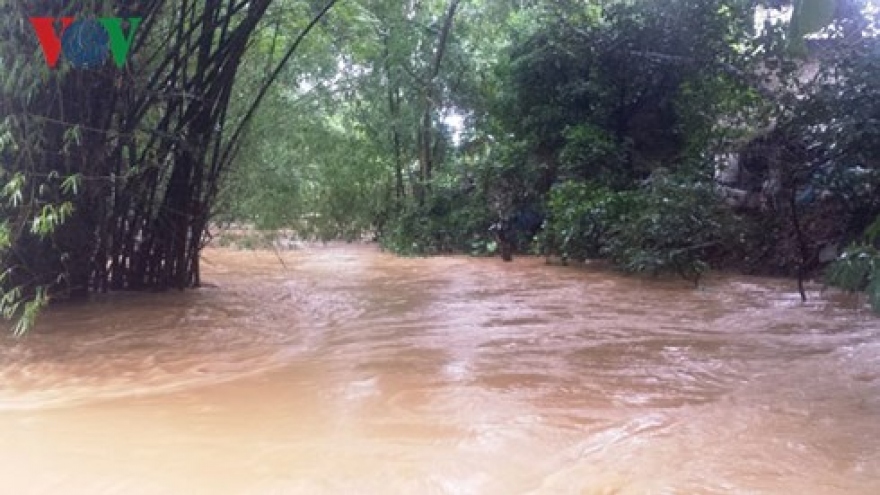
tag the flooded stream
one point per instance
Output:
(344, 370)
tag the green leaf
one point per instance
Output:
(70, 185)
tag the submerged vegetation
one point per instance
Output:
(670, 136)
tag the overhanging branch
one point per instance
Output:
(231, 145)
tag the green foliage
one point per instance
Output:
(109, 177)
(834, 120)
(322, 178)
(846, 101)
(25, 310)
(50, 218)
(19, 301)
(33, 208)
(592, 151)
(612, 93)
(858, 269)
(5, 236)
(670, 224)
(451, 221)
(580, 218)
(677, 225)
(854, 269)
(331, 156)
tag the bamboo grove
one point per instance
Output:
(109, 174)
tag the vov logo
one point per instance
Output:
(85, 43)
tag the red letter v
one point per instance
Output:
(49, 40)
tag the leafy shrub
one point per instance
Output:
(671, 224)
(580, 216)
(858, 267)
(675, 224)
(450, 221)
(591, 151)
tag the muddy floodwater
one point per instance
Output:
(349, 371)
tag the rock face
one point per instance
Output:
(750, 177)
(734, 184)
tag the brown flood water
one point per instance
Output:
(349, 371)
